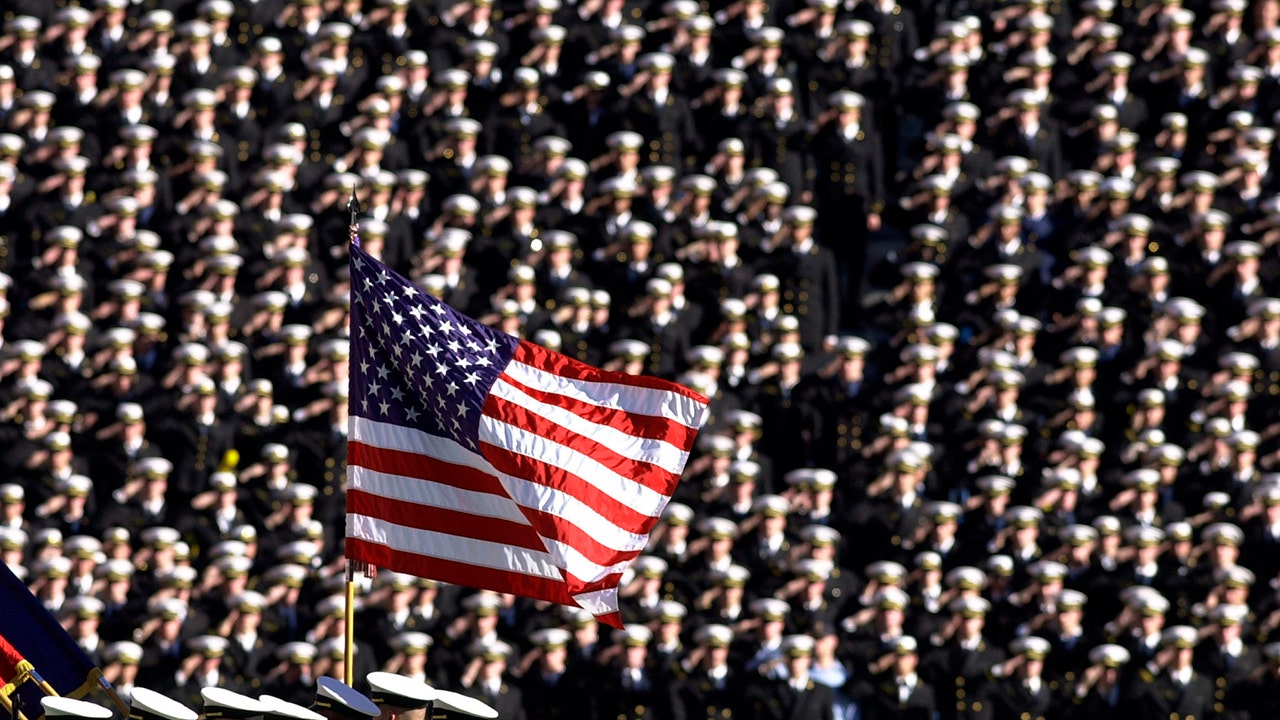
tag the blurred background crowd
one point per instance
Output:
(982, 293)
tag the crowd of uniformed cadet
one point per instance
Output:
(981, 293)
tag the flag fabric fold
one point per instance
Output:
(37, 642)
(480, 459)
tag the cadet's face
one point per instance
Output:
(1225, 555)
(922, 289)
(636, 656)
(719, 655)
(997, 504)
(721, 546)
(1070, 619)
(852, 367)
(774, 524)
(1148, 553)
(892, 617)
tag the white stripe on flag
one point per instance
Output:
(398, 437)
(660, 453)
(470, 551)
(426, 492)
(570, 509)
(580, 567)
(526, 442)
(567, 509)
(523, 492)
(617, 396)
(599, 602)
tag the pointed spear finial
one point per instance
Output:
(353, 206)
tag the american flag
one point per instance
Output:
(483, 460)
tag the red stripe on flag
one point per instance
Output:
(579, 587)
(443, 520)
(564, 366)
(613, 619)
(553, 527)
(422, 467)
(634, 424)
(460, 573)
(541, 473)
(647, 474)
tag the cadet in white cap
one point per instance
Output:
(63, 707)
(399, 696)
(223, 703)
(336, 700)
(147, 704)
(1102, 690)
(279, 709)
(457, 705)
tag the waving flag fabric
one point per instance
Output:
(483, 460)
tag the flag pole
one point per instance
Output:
(349, 624)
(349, 629)
(106, 686)
(43, 684)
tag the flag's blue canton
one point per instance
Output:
(415, 361)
